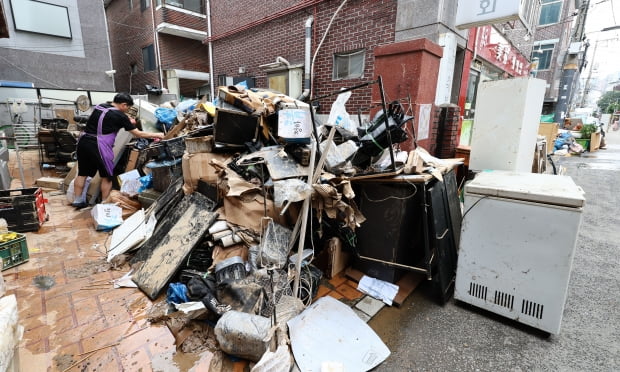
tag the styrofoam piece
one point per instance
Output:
(11, 330)
(129, 234)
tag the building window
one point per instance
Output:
(349, 65)
(550, 12)
(145, 4)
(191, 5)
(130, 4)
(41, 18)
(543, 53)
(148, 58)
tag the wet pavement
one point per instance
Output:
(74, 320)
(424, 336)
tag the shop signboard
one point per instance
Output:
(495, 49)
(474, 13)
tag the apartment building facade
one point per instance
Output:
(158, 44)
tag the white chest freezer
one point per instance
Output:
(517, 245)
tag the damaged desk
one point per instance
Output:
(413, 224)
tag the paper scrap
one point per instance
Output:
(379, 289)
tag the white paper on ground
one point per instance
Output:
(192, 309)
(129, 234)
(329, 331)
(125, 281)
(379, 289)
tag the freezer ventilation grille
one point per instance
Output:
(478, 291)
(504, 299)
(532, 309)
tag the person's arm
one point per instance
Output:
(140, 134)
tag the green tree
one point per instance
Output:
(609, 102)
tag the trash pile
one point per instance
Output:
(239, 200)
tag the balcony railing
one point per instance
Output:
(197, 6)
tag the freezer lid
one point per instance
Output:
(534, 187)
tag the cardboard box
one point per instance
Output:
(550, 131)
(132, 161)
(54, 183)
(332, 260)
(196, 167)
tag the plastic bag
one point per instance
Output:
(177, 293)
(107, 216)
(146, 181)
(187, 105)
(243, 335)
(166, 117)
(71, 193)
(338, 114)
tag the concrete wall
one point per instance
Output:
(55, 62)
(427, 19)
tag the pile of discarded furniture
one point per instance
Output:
(242, 196)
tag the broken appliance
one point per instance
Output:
(517, 244)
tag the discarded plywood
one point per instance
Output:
(173, 247)
(50, 182)
(406, 285)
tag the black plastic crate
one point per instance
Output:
(23, 209)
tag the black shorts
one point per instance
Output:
(89, 159)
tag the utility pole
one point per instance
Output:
(570, 68)
(586, 88)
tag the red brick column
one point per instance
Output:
(409, 68)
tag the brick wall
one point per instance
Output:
(360, 24)
(445, 129)
(132, 29)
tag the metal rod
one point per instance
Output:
(411, 268)
(387, 124)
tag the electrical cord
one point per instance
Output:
(473, 205)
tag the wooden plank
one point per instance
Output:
(406, 285)
(173, 248)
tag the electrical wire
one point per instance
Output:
(316, 52)
(473, 205)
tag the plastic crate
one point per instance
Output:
(14, 252)
(23, 209)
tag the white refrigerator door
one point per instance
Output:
(506, 124)
(515, 259)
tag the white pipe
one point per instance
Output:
(212, 84)
(307, 59)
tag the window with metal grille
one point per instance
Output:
(148, 58)
(543, 53)
(550, 12)
(349, 65)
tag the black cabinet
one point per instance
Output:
(412, 224)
